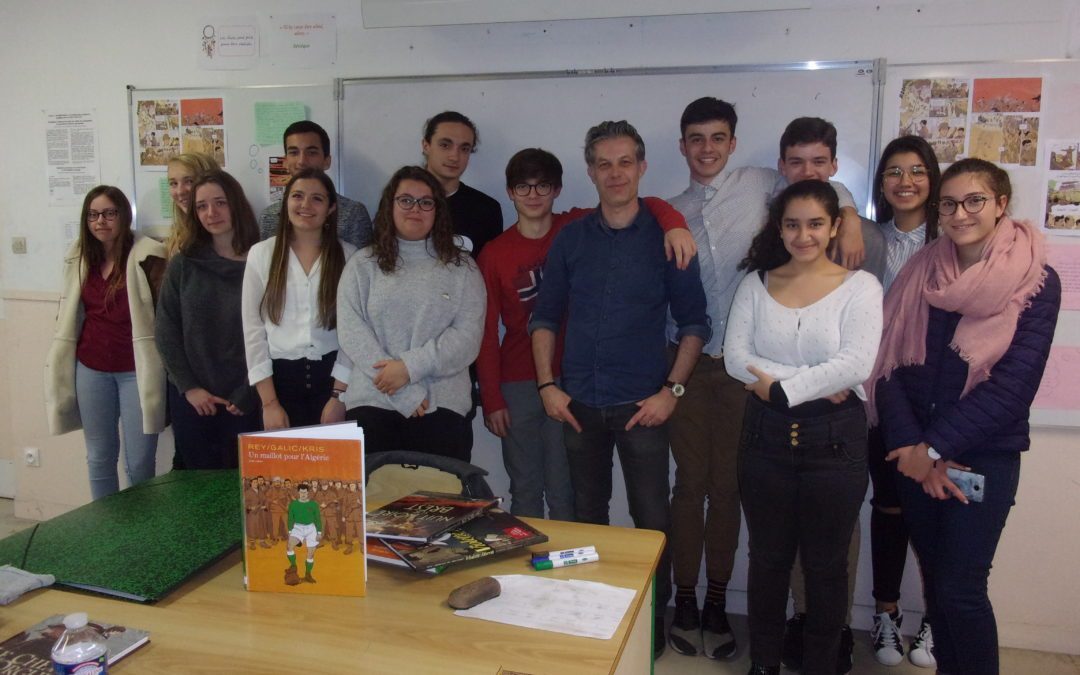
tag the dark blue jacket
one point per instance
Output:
(922, 403)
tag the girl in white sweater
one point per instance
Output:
(802, 334)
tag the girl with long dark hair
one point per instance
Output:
(290, 309)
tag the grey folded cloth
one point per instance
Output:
(14, 582)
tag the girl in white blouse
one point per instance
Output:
(802, 334)
(290, 309)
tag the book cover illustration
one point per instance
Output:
(379, 552)
(303, 501)
(496, 531)
(424, 515)
(29, 651)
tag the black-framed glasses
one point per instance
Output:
(108, 214)
(972, 205)
(407, 202)
(542, 189)
(895, 174)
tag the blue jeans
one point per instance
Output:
(956, 544)
(802, 482)
(535, 456)
(643, 453)
(106, 400)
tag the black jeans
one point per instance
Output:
(440, 432)
(802, 482)
(643, 454)
(208, 442)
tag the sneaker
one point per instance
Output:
(888, 647)
(792, 653)
(684, 636)
(716, 635)
(922, 647)
(845, 658)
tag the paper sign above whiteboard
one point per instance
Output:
(301, 40)
(229, 43)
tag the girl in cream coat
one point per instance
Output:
(121, 388)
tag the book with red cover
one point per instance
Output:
(494, 532)
(424, 515)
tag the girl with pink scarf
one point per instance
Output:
(968, 327)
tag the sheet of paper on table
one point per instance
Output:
(573, 607)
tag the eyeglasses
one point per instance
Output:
(407, 202)
(108, 214)
(542, 189)
(972, 205)
(895, 174)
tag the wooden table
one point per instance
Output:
(211, 624)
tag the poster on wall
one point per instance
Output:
(302, 40)
(1063, 187)
(1005, 119)
(936, 110)
(72, 165)
(203, 121)
(228, 43)
(159, 132)
(278, 178)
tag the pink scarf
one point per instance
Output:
(990, 295)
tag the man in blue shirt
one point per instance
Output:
(607, 278)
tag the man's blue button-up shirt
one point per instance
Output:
(614, 288)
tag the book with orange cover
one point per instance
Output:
(303, 505)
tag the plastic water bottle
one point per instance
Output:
(81, 650)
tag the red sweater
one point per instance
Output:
(512, 266)
(105, 341)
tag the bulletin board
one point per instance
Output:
(1022, 116)
(382, 120)
(241, 126)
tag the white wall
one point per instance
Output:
(66, 54)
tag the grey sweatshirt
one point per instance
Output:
(429, 315)
(198, 326)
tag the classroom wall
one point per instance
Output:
(69, 55)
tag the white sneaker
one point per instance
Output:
(888, 647)
(922, 647)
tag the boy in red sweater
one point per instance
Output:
(512, 265)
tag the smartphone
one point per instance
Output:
(973, 485)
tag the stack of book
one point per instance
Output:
(429, 531)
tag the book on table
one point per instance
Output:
(492, 533)
(303, 506)
(423, 515)
(30, 650)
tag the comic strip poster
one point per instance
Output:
(159, 132)
(278, 177)
(1005, 119)
(203, 121)
(936, 110)
(1063, 187)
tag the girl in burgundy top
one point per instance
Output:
(118, 378)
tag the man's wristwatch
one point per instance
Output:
(677, 390)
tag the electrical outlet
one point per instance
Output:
(18, 245)
(32, 456)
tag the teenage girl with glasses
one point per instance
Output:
(410, 317)
(969, 322)
(103, 369)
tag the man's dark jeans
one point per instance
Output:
(643, 454)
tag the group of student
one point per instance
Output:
(743, 326)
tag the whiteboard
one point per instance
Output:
(245, 158)
(1057, 120)
(382, 120)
